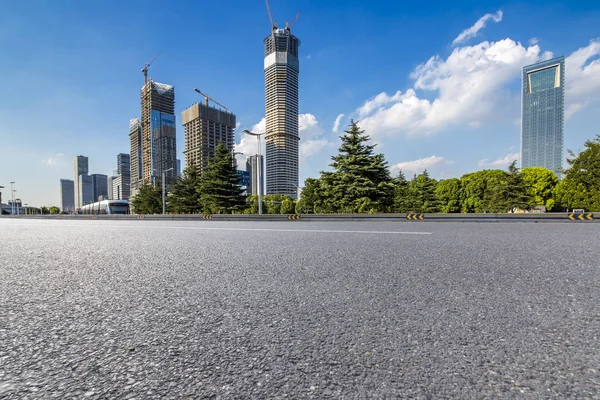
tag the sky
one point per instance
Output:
(435, 84)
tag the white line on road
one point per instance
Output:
(225, 229)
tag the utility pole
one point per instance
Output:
(163, 189)
(12, 197)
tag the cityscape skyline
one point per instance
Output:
(416, 127)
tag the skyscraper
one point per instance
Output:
(81, 168)
(159, 151)
(135, 141)
(100, 186)
(124, 176)
(86, 190)
(543, 121)
(67, 195)
(205, 127)
(252, 168)
(281, 106)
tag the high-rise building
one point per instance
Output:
(110, 190)
(543, 121)
(81, 168)
(86, 190)
(281, 105)
(178, 167)
(205, 127)
(100, 184)
(135, 141)
(67, 195)
(159, 150)
(252, 168)
(121, 187)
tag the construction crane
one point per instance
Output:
(207, 98)
(145, 69)
(273, 22)
(289, 27)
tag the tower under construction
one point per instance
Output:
(281, 68)
(135, 141)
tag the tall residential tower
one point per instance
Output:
(159, 151)
(81, 168)
(281, 105)
(543, 121)
(135, 141)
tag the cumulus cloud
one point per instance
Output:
(336, 124)
(308, 126)
(311, 147)
(479, 25)
(57, 159)
(470, 86)
(582, 76)
(418, 166)
(500, 162)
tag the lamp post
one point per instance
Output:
(12, 198)
(258, 169)
(1, 209)
(163, 189)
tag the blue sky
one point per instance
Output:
(436, 84)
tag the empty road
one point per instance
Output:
(273, 310)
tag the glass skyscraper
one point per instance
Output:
(543, 110)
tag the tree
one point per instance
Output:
(54, 210)
(403, 201)
(252, 205)
(148, 200)
(422, 190)
(219, 187)
(540, 183)
(449, 193)
(511, 193)
(360, 181)
(580, 187)
(273, 203)
(309, 196)
(288, 206)
(478, 188)
(184, 197)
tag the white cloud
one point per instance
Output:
(533, 41)
(470, 86)
(308, 126)
(582, 76)
(418, 166)
(336, 124)
(500, 162)
(480, 24)
(57, 159)
(311, 147)
(238, 124)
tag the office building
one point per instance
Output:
(86, 190)
(124, 176)
(135, 141)
(252, 168)
(158, 144)
(178, 167)
(67, 195)
(100, 184)
(81, 168)
(281, 68)
(205, 127)
(543, 121)
(110, 190)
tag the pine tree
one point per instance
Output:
(147, 201)
(511, 193)
(219, 187)
(184, 197)
(402, 195)
(361, 181)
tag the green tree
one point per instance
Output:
(511, 193)
(478, 188)
(219, 187)
(580, 187)
(309, 196)
(540, 183)
(272, 203)
(288, 206)
(422, 191)
(360, 181)
(148, 200)
(183, 196)
(449, 193)
(252, 205)
(403, 200)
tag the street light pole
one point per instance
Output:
(12, 198)
(258, 169)
(163, 189)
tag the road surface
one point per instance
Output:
(354, 310)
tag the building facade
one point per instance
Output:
(67, 195)
(86, 190)
(281, 68)
(252, 168)
(81, 168)
(543, 109)
(159, 150)
(205, 127)
(135, 162)
(100, 185)
(124, 175)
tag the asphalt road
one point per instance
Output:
(345, 310)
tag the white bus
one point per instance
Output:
(109, 207)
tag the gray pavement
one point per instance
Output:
(351, 310)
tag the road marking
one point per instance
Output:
(146, 226)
